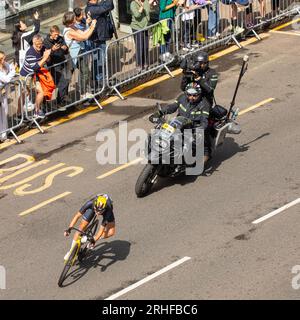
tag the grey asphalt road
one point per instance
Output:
(206, 218)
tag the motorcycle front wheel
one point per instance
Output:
(144, 181)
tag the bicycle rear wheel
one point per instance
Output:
(91, 231)
(68, 265)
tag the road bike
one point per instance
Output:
(80, 248)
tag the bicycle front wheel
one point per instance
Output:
(68, 265)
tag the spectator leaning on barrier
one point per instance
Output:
(198, 33)
(140, 17)
(187, 24)
(213, 19)
(275, 6)
(22, 39)
(7, 72)
(74, 39)
(104, 31)
(35, 58)
(262, 10)
(59, 50)
(234, 16)
(167, 9)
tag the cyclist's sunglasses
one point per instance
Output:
(193, 94)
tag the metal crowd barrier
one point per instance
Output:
(209, 26)
(259, 14)
(205, 27)
(140, 53)
(76, 80)
(11, 108)
(133, 56)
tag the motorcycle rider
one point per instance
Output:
(191, 105)
(200, 72)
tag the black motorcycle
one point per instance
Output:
(167, 151)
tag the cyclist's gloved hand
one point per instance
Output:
(155, 116)
(91, 243)
(67, 232)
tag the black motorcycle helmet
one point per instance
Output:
(193, 92)
(201, 62)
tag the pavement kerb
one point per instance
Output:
(233, 48)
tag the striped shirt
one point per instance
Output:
(31, 61)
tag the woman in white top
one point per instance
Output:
(7, 72)
(73, 36)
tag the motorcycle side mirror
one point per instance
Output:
(158, 106)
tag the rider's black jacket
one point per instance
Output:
(198, 112)
(208, 83)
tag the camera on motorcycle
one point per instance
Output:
(153, 118)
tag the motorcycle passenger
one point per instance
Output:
(200, 72)
(193, 106)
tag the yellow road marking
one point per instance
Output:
(20, 171)
(21, 191)
(286, 24)
(125, 94)
(286, 32)
(256, 106)
(40, 173)
(124, 166)
(29, 159)
(43, 204)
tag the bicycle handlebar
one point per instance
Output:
(83, 233)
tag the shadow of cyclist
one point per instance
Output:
(104, 255)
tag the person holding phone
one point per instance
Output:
(103, 32)
(22, 38)
(59, 50)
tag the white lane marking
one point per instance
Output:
(273, 213)
(152, 276)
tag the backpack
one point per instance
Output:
(46, 82)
